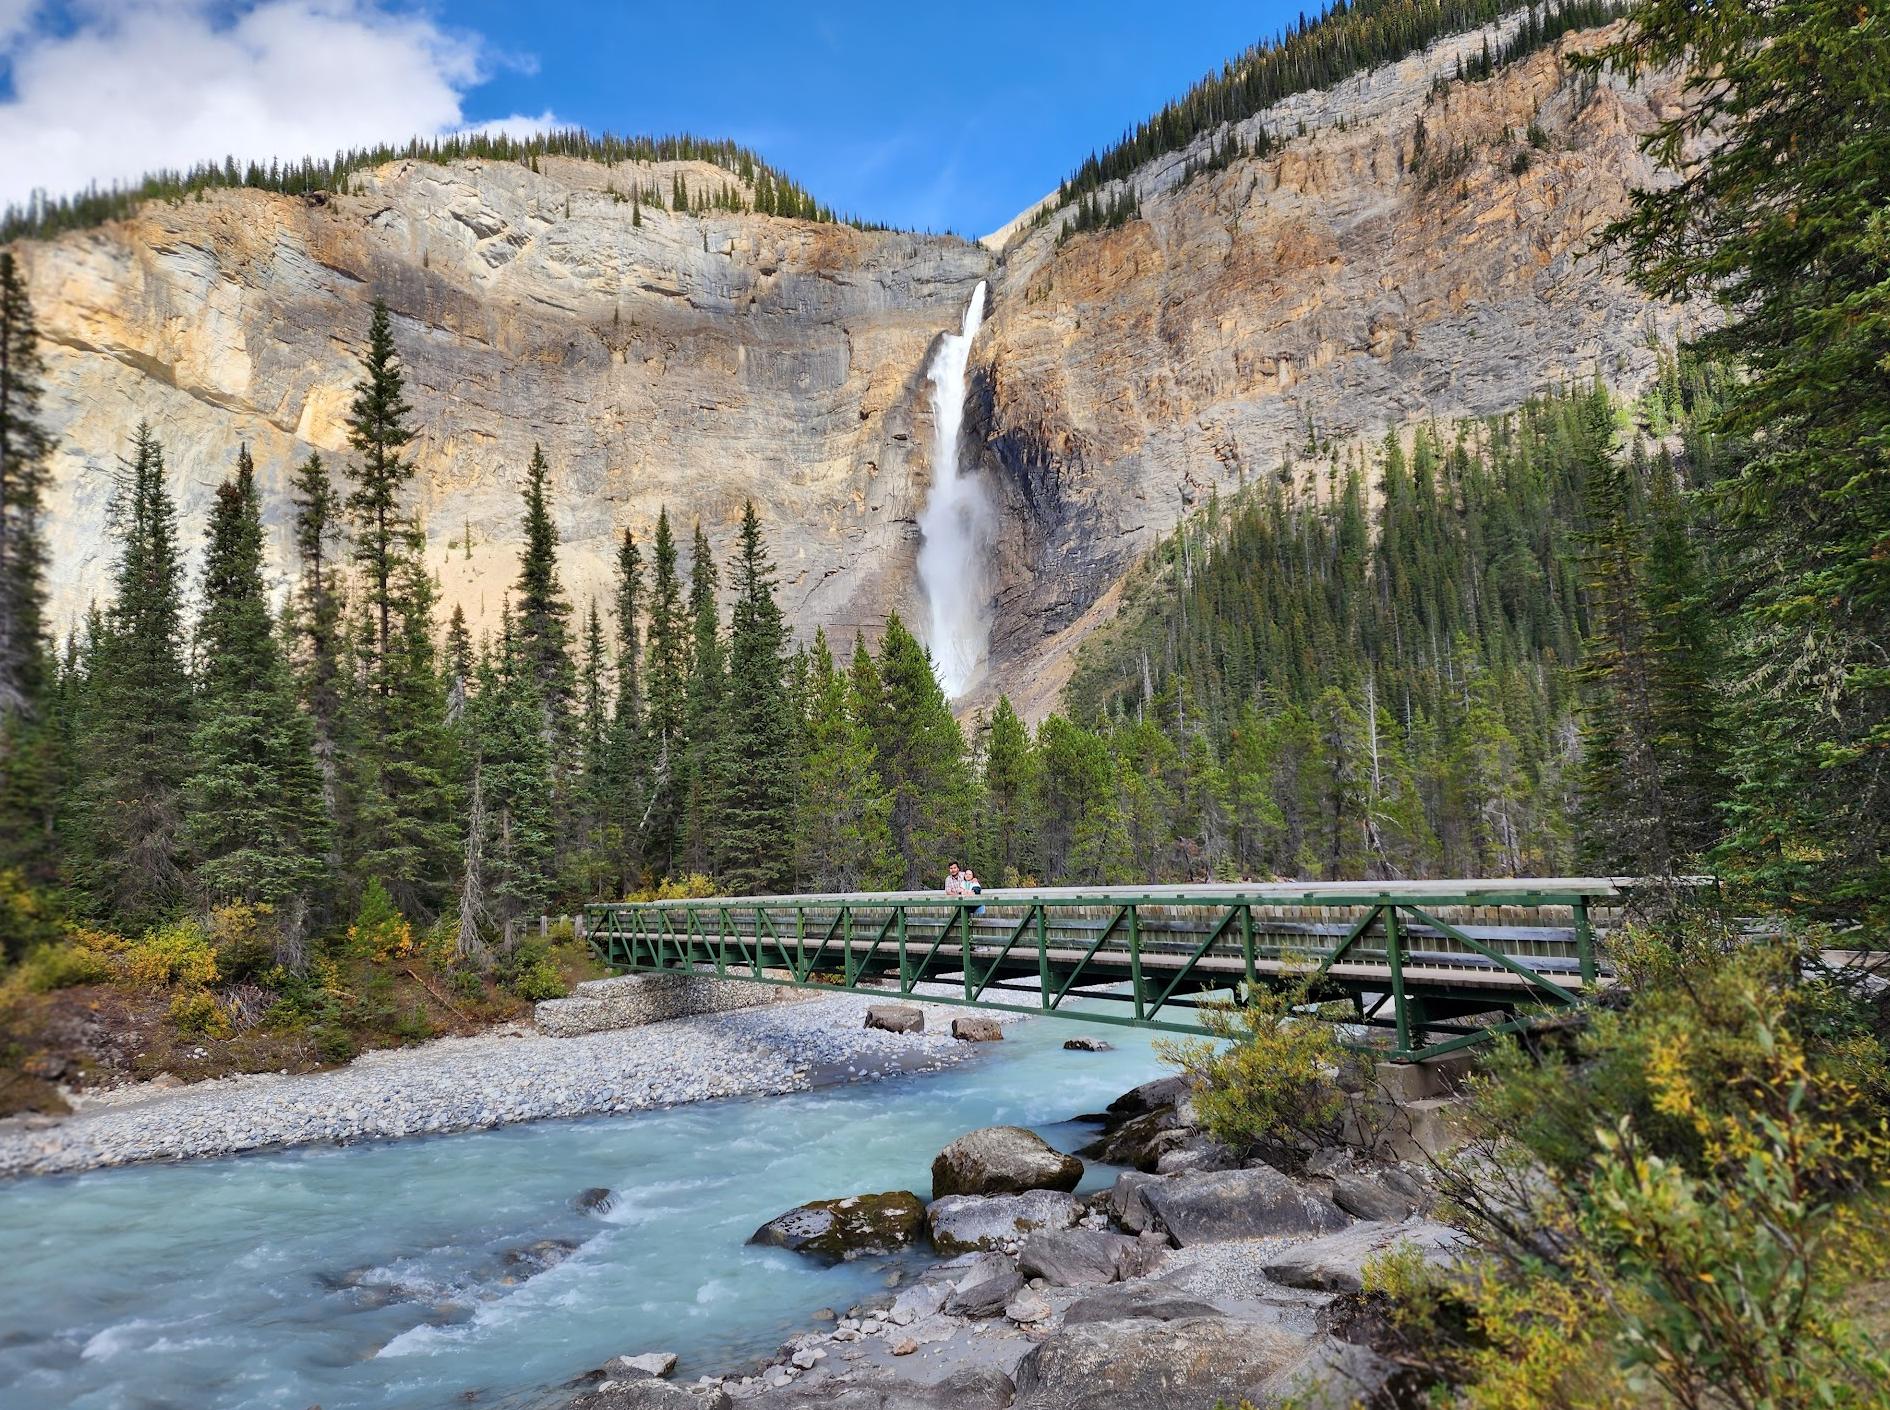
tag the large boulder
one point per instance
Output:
(1149, 1365)
(896, 1018)
(838, 1229)
(1141, 1141)
(1212, 1206)
(648, 1363)
(1366, 1198)
(1144, 1299)
(978, 1223)
(985, 1288)
(1002, 1160)
(977, 1028)
(972, 1388)
(1125, 1200)
(1150, 1096)
(1336, 1262)
(637, 1393)
(1073, 1258)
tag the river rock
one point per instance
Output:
(1139, 1142)
(1216, 1205)
(1027, 1306)
(977, 1028)
(896, 1018)
(596, 1200)
(839, 1229)
(919, 1301)
(1149, 1365)
(1150, 1096)
(1001, 1160)
(978, 1223)
(1194, 1153)
(1072, 1258)
(1125, 1200)
(536, 1257)
(1365, 1198)
(985, 1288)
(648, 1363)
(640, 1393)
(1336, 1262)
(1088, 1045)
(1145, 1300)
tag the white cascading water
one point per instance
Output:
(955, 527)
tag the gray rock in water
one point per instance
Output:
(1148, 1365)
(839, 1229)
(985, 1289)
(1150, 1096)
(595, 1200)
(978, 1223)
(1141, 1141)
(1074, 1258)
(1336, 1263)
(534, 1258)
(1212, 1206)
(1088, 1045)
(896, 1018)
(977, 1028)
(1001, 1160)
(648, 1363)
(1366, 1198)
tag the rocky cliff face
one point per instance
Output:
(688, 361)
(1351, 282)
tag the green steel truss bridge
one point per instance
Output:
(1437, 965)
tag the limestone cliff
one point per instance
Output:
(1344, 284)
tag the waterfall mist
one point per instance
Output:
(956, 526)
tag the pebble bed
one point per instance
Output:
(509, 1075)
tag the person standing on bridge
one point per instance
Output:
(954, 882)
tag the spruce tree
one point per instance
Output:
(624, 792)
(544, 614)
(758, 787)
(921, 758)
(513, 784)
(1010, 769)
(27, 757)
(667, 673)
(843, 832)
(317, 606)
(379, 433)
(253, 822)
(705, 720)
(402, 821)
(135, 734)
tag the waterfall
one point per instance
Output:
(955, 527)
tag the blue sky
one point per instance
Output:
(938, 117)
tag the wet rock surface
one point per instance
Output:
(998, 1160)
(977, 1223)
(836, 1230)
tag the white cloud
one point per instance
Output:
(134, 85)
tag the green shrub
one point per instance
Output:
(243, 938)
(465, 983)
(413, 1026)
(1268, 1077)
(177, 953)
(197, 1011)
(63, 966)
(380, 931)
(529, 973)
(29, 918)
(333, 1042)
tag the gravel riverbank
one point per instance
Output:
(508, 1075)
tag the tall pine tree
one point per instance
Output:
(758, 788)
(253, 823)
(135, 735)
